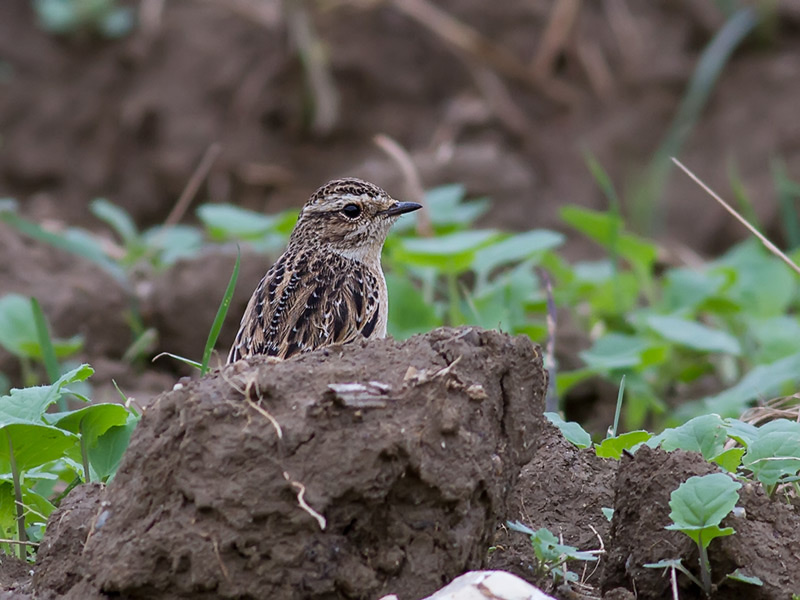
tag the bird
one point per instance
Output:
(328, 286)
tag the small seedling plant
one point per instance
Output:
(552, 555)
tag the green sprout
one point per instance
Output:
(551, 555)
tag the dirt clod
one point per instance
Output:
(211, 503)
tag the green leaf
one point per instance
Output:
(222, 311)
(608, 513)
(687, 288)
(773, 456)
(119, 220)
(573, 432)
(515, 248)
(756, 271)
(615, 351)
(729, 459)
(18, 332)
(777, 337)
(501, 302)
(693, 335)
(106, 454)
(228, 222)
(171, 243)
(742, 432)
(90, 421)
(737, 575)
(604, 229)
(27, 405)
(450, 253)
(699, 505)
(33, 444)
(613, 447)
(447, 210)
(408, 312)
(762, 381)
(705, 434)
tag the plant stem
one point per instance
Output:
(23, 536)
(705, 567)
(84, 455)
(453, 298)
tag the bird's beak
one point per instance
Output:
(401, 208)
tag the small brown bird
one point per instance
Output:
(328, 286)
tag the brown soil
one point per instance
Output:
(411, 480)
(130, 119)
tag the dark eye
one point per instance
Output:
(351, 211)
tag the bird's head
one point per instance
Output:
(350, 217)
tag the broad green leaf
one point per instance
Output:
(773, 456)
(615, 351)
(705, 434)
(566, 380)
(501, 302)
(688, 288)
(18, 332)
(106, 455)
(613, 447)
(447, 209)
(729, 459)
(228, 222)
(693, 334)
(742, 432)
(33, 444)
(608, 513)
(171, 243)
(515, 248)
(777, 337)
(27, 405)
(119, 220)
(738, 575)
(90, 421)
(762, 381)
(757, 272)
(699, 505)
(408, 312)
(605, 229)
(573, 432)
(450, 253)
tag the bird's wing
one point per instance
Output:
(306, 303)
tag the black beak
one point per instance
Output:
(401, 208)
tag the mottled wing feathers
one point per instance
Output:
(308, 301)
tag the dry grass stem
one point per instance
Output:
(413, 182)
(193, 185)
(18, 542)
(556, 34)
(466, 39)
(769, 245)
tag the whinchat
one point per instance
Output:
(328, 285)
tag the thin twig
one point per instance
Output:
(468, 40)
(413, 181)
(20, 542)
(769, 245)
(554, 38)
(188, 193)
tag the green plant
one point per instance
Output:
(23, 333)
(69, 17)
(37, 448)
(551, 555)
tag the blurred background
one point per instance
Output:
(534, 104)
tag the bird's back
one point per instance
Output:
(311, 299)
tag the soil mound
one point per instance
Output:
(404, 451)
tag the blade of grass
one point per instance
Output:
(183, 359)
(222, 311)
(33, 230)
(741, 195)
(607, 187)
(618, 410)
(647, 194)
(45, 343)
(769, 245)
(788, 192)
(21, 534)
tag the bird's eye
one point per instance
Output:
(351, 211)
